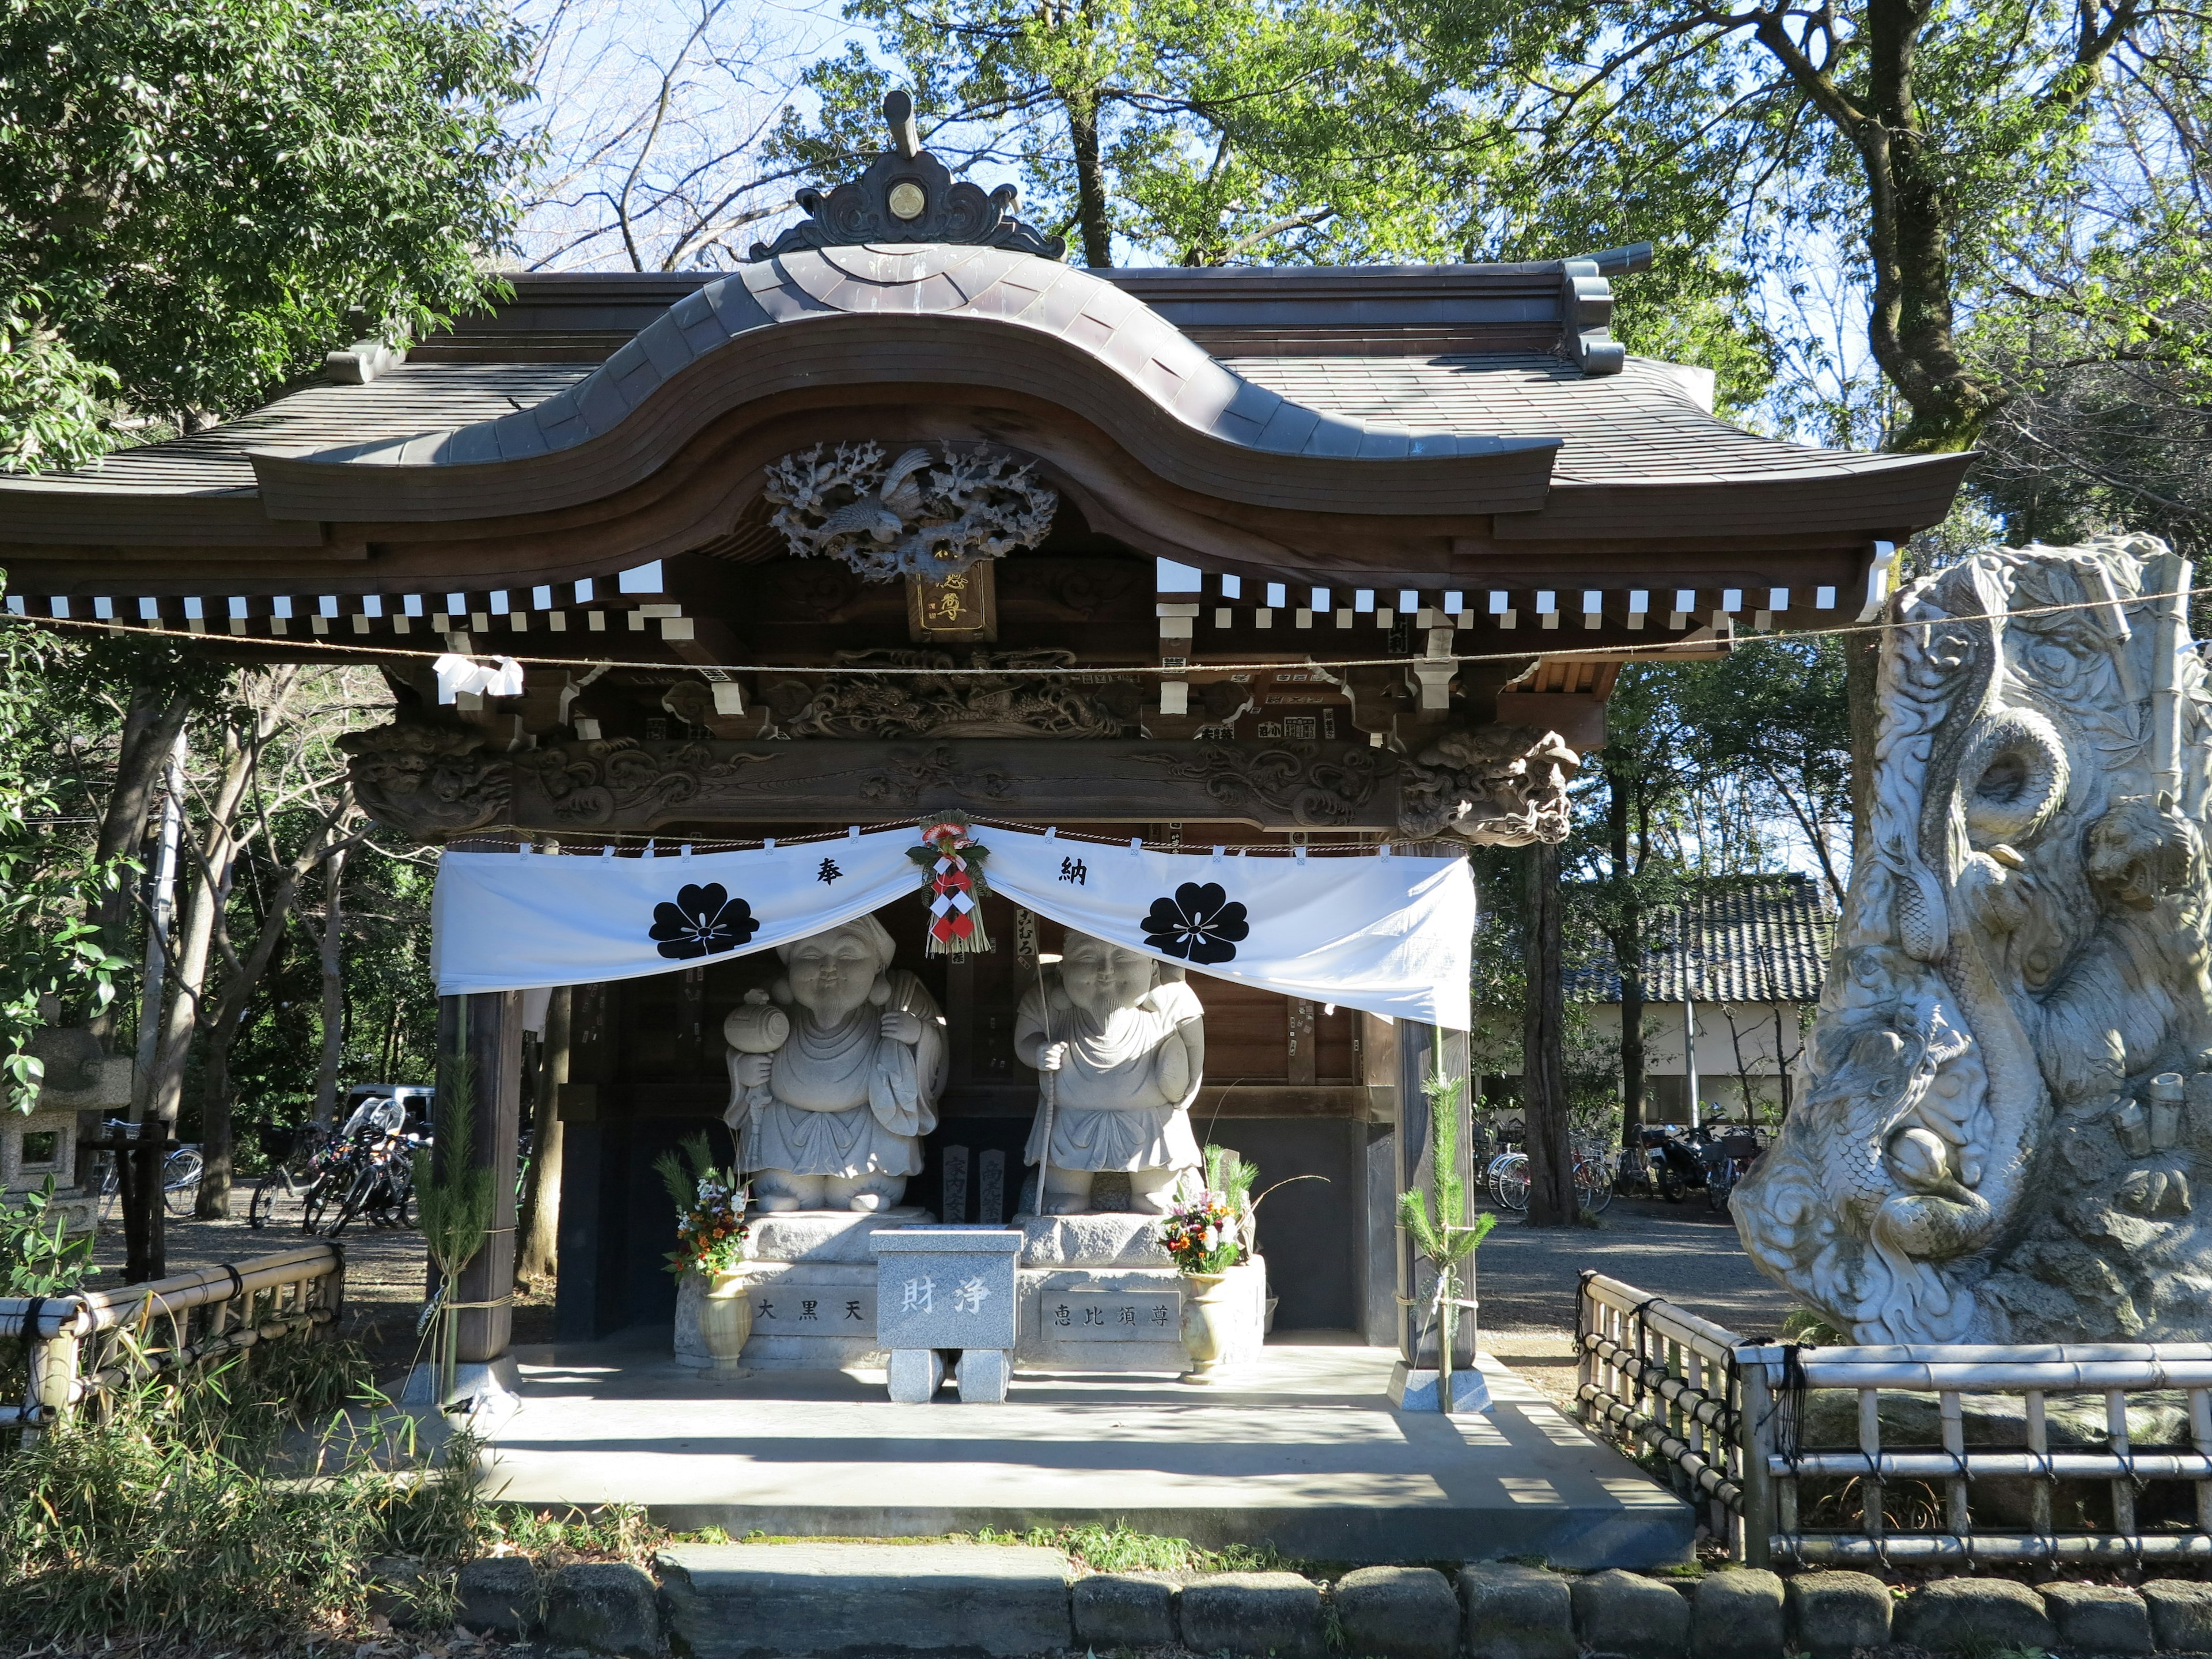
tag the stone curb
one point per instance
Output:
(976, 1598)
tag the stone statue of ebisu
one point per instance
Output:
(2005, 1116)
(1124, 1039)
(829, 1108)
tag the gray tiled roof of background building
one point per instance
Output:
(1745, 938)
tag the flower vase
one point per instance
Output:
(726, 1317)
(1208, 1324)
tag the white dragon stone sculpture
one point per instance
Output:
(2021, 969)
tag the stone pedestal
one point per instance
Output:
(1100, 1293)
(1094, 1293)
(813, 1288)
(941, 1289)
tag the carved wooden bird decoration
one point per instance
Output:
(881, 516)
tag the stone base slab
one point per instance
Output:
(825, 1235)
(745, 1600)
(1416, 1391)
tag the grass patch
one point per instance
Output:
(1092, 1548)
(1096, 1548)
(215, 1507)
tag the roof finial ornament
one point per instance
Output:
(907, 196)
(898, 115)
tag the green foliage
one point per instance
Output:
(1206, 132)
(48, 883)
(1117, 1548)
(198, 197)
(2032, 168)
(183, 1513)
(37, 1256)
(49, 410)
(1444, 1236)
(455, 1199)
(454, 1196)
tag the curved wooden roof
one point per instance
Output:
(1377, 424)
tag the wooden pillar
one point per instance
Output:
(1416, 1169)
(1552, 1201)
(487, 1030)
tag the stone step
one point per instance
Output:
(731, 1600)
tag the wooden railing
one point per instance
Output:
(1727, 1420)
(85, 1345)
(1664, 1385)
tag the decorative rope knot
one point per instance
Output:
(953, 861)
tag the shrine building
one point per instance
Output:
(907, 516)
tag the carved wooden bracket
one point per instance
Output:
(434, 784)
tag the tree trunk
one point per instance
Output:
(333, 942)
(540, 1227)
(216, 1129)
(187, 975)
(1543, 1066)
(1628, 962)
(1089, 180)
(150, 730)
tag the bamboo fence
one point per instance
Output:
(84, 1346)
(1725, 1419)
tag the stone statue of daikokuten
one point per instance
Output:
(835, 1074)
(1124, 1040)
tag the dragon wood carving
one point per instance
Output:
(2008, 1085)
(904, 518)
(427, 782)
(1496, 785)
(1020, 698)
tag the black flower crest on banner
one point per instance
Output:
(1199, 924)
(703, 922)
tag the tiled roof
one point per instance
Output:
(1745, 938)
(1645, 425)
(412, 398)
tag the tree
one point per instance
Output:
(199, 197)
(1775, 717)
(52, 950)
(1637, 872)
(2018, 161)
(1202, 130)
(650, 118)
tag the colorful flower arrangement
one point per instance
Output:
(710, 1211)
(1203, 1234)
(1209, 1230)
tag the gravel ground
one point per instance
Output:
(1526, 1276)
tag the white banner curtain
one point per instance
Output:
(1391, 935)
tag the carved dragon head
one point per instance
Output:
(2023, 948)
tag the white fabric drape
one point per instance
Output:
(1392, 935)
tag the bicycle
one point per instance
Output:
(279, 1196)
(181, 1173)
(366, 1171)
(1507, 1175)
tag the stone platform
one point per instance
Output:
(1097, 1292)
(1304, 1450)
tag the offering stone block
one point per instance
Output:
(945, 1287)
